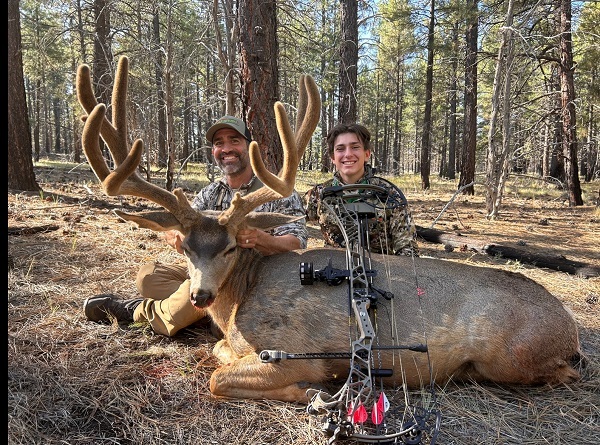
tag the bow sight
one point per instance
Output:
(344, 414)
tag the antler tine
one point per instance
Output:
(86, 97)
(124, 180)
(309, 112)
(282, 185)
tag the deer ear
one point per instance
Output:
(269, 220)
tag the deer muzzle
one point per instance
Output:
(202, 299)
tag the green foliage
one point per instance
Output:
(391, 76)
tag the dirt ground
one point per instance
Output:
(75, 382)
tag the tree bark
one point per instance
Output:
(347, 112)
(451, 173)
(102, 71)
(169, 100)
(467, 174)
(160, 92)
(260, 77)
(426, 136)
(557, 165)
(498, 154)
(103, 58)
(567, 89)
(19, 231)
(226, 50)
(20, 164)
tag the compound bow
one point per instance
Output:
(344, 414)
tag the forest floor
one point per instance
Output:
(71, 381)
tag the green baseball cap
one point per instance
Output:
(229, 122)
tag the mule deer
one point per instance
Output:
(480, 324)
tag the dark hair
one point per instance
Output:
(359, 130)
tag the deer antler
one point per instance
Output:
(282, 185)
(124, 180)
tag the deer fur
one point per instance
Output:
(480, 324)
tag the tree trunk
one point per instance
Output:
(226, 51)
(325, 160)
(20, 163)
(187, 128)
(56, 115)
(591, 158)
(169, 99)
(426, 136)
(260, 77)
(499, 150)
(451, 173)
(103, 58)
(397, 168)
(567, 89)
(467, 174)
(77, 124)
(324, 154)
(557, 168)
(102, 71)
(160, 93)
(347, 112)
(37, 145)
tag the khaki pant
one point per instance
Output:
(166, 291)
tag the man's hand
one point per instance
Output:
(266, 243)
(174, 239)
(247, 238)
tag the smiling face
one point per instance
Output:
(349, 157)
(230, 150)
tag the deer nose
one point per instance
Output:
(202, 298)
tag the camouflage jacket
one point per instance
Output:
(393, 231)
(218, 195)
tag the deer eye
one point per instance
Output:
(230, 250)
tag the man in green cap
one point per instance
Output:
(165, 288)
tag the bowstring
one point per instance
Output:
(384, 241)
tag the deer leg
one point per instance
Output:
(249, 378)
(224, 353)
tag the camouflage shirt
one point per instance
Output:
(392, 231)
(218, 195)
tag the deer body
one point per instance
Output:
(478, 323)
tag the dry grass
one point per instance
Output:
(75, 382)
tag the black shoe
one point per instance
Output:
(101, 308)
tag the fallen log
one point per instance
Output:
(17, 231)
(549, 261)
